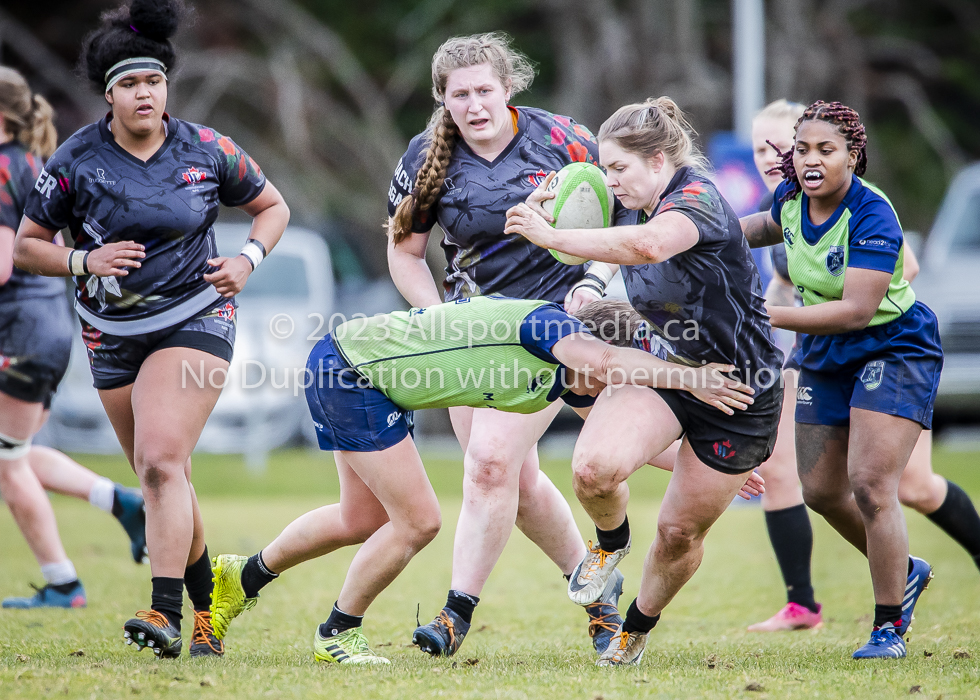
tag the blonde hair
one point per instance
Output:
(652, 127)
(781, 109)
(515, 73)
(26, 116)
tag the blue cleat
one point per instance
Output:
(604, 618)
(885, 643)
(129, 511)
(918, 581)
(443, 636)
(48, 597)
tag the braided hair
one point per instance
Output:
(848, 123)
(140, 28)
(513, 70)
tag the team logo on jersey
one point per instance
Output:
(393, 418)
(192, 176)
(803, 394)
(724, 449)
(835, 260)
(101, 178)
(537, 178)
(872, 374)
(450, 186)
(788, 235)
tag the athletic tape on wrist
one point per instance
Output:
(78, 262)
(588, 286)
(254, 252)
(602, 271)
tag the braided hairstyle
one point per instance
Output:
(27, 117)
(848, 123)
(513, 70)
(141, 28)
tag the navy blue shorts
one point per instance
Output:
(115, 360)
(35, 347)
(348, 413)
(893, 368)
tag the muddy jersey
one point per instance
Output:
(19, 169)
(104, 194)
(706, 303)
(472, 205)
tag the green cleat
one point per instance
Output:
(228, 600)
(348, 647)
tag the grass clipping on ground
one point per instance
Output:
(527, 639)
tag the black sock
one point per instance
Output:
(64, 588)
(611, 540)
(338, 622)
(792, 540)
(199, 583)
(636, 621)
(168, 597)
(958, 518)
(888, 613)
(463, 604)
(117, 509)
(256, 575)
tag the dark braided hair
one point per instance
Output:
(141, 28)
(848, 123)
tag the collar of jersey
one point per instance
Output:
(812, 232)
(108, 138)
(521, 128)
(675, 182)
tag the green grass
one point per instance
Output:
(528, 641)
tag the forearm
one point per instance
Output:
(828, 318)
(631, 366)
(41, 257)
(412, 278)
(760, 230)
(780, 292)
(619, 245)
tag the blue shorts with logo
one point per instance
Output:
(893, 368)
(348, 413)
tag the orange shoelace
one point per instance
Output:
(447, 622)
(624, 638)
(601, 555)
(157, 619)
(601, 622)
(204, 631)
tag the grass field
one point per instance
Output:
(528, 641)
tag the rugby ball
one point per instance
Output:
(582, 200)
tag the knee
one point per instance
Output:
(360, 528)
(488, 472)
(675, 539)
(872, 495)
(156, 470)
(922, 495)
(593, 477)
(823, 499)
(423, 529)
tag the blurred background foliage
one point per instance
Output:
(325, 94)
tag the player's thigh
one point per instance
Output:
(919, 469)
(461, 418)
(19, 419)
(170, 407)
(697, 495)
(627, 427)
(357, 502)
(501, 438)
(118, 404)
(879, 448)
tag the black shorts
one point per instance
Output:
(35, 347)
(115, 360)
(729, 444)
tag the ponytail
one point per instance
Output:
(40, 135)
(26, 117)
(442, 138)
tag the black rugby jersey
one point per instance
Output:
(19, 169)
(474, 199)
(707, 301)
(103, 194)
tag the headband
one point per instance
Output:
(132, 65)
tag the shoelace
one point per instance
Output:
(624, 639)
(204, 631)
(601, 622)
(359, 643)
(596, 563)
(444, 620)
(157, 619)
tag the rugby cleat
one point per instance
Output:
(918, 581)
(604, 617)
(588, 581)
(885, 643)
(48, 597)
(152, 630)
(625, 649)
(203, 641)
(793, 616)
(348, 647)
(443, 636)
(228, 599)
(132, 516)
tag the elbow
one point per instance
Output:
(647, 253)
(19, 259)
(858, 320)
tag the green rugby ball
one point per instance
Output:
(582, 200)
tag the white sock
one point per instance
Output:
(102, 495)
(60, 573)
